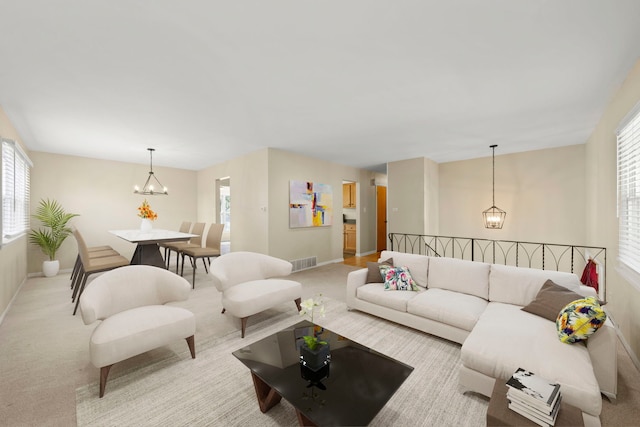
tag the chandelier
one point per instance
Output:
(148, 188)
(494, 216)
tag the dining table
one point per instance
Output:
(147, 250)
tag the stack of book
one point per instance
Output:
(534, 397)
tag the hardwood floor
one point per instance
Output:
(360, 261)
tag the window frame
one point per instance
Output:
(20, 171)
(628, 192)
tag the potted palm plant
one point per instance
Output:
(54, 219)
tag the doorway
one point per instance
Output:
(381, 218)
(223, 208)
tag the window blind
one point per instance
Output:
(15, 190)
(628, 137)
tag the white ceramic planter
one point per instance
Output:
(50, 268)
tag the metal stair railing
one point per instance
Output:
(544, 256)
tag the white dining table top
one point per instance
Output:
(153, 236)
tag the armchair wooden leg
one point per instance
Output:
(244, 325)
(192, 346)
(298, 301)
(104, 373)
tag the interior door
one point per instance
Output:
(381, 218)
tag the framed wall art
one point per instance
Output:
(310, 204)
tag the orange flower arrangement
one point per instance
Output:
(144, 211)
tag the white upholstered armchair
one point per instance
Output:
(251, 282)
(130, 301)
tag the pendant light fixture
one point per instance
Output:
(494, 216)
(149, 188)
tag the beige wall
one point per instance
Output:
(623, 292)
(101, 191)
(249, 194)
(412, 196)
(260, 204)
(543, 193)
(13, 256)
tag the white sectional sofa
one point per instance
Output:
(479, 306)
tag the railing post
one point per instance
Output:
(473, 249)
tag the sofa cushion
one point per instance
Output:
(449, 307)
(520, 285)
(580, 319)
(417, 264)
(550, 300)
(459, 275)
(376, 294)
(506, 338)
(397, 279)
(374, 275)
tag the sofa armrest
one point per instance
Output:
(602, 347)
(355, 279)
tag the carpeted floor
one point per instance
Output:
(216, 389)
(44, 354)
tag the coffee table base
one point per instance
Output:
(268, 398)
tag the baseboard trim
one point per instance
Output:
(623, 341)
(15, 295)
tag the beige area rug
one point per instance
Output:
(216, 388)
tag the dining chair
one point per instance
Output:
(94, 252)
(211, 249)
(184, 228)
(90, 265)
(194, 242)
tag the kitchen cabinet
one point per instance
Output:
(349, 238)
(349, 195)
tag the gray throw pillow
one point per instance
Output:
(550, 300)
(374, 275)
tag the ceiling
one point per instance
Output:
(357, 82)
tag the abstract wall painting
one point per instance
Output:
(310, 204)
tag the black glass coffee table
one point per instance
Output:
(350, 389)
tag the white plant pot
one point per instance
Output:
(50, 268)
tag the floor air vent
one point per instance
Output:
(304, 263)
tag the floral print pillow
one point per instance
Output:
(580, 319)
(397, 279)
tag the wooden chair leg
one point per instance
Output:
(193, 279)
(192, 346)
(84, 281)
(243, 321)
(75, 270)
(104, 373)
(76, 284)
(298, 301)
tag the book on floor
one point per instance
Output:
(536, 391)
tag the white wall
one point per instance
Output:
(623, 292)
(101, 191)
